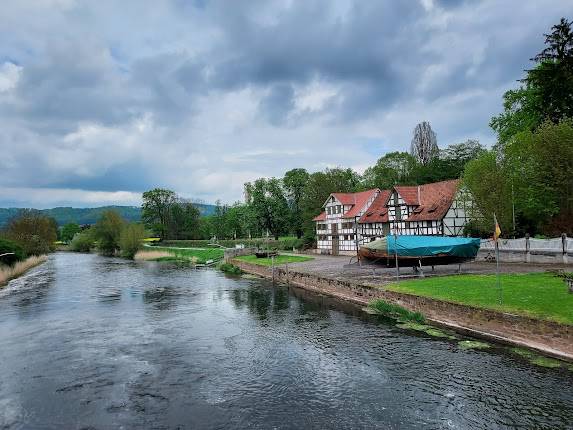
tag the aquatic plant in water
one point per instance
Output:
(473, 344)
(537, 359)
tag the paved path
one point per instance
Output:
(345, 268)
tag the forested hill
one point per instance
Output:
(64, 215)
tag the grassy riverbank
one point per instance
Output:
(279, 259)
(198, 256)
(10, 272)
(538, 295)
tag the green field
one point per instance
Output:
(200, 256)
(538, 295)
(280, 259)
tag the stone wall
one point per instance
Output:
(548, 337)
(231, 253)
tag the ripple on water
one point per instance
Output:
(93, 341)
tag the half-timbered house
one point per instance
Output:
(349, 219)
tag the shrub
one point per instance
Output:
(130, 239)
(8, 246)
(108, 231)
(34, 232)
(230, 269)
(83, 241)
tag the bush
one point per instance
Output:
(34, 232)
(8, 246)
(83, 241)
(230, 269)
(131, 239)
(108, 231)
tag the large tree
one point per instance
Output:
(156, 210)
(424, 147)
(294, 182)
(546, 91)
(269, 204)
(392, 169)
(107, 232)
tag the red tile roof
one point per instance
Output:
(435, 200)
(320, 217)
(357, 200)
(409, 194)
(377, 212)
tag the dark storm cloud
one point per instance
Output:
(97, 96)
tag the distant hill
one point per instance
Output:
(64, 215)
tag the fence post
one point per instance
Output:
(527, 249)
(564, 246)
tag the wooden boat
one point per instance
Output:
(266, 254)
(412, 251)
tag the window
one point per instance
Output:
(328, 210)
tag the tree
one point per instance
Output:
(392, 169)
(487, 182)
(553, 77)
(424, 144)
(156, 210)
(183, 220)
(269, 204)
(34, 232)
(83, 241)
(69, 231)
(546, 91)
(107, 232)
(294, 182)
(130, 239)
(14, 252)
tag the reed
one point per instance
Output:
(151, 255)
(10, 272)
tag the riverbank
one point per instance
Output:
(7, 273)
(547, 337)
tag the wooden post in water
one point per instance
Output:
(287, 272)
(273, 267)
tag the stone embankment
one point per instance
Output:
(547, 337)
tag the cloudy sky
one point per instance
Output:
(101, 100)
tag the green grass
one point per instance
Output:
(200, 256)
(280, 259)
(538, 295)
(396, 311)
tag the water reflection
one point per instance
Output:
(107, 343)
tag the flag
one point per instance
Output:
(497, 230)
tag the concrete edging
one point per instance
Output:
(547, 337)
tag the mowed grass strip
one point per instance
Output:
(538, 295)
(200, 256)
(279, 259)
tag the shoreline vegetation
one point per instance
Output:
(7, 273)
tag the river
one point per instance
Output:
(94, 342)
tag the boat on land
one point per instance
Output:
(412, 251)
(266, 254)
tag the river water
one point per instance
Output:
(94, 342)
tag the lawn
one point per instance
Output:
(538, 295)
(201, 255)
(280, 259)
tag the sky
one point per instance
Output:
(102, 100)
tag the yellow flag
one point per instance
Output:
(497, 231)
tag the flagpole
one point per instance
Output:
(497, 232)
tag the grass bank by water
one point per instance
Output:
(279, 259)
(10, 272)
(198, 256)
(537, 295)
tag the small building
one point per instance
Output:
(350, 219)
